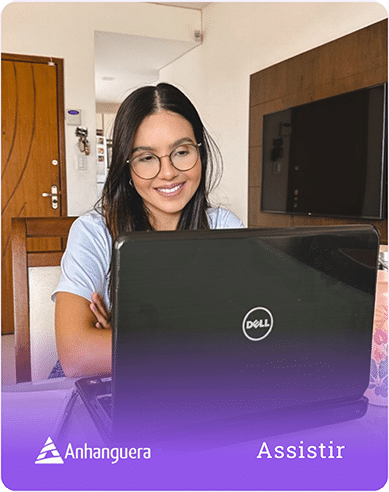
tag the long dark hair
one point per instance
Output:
(120, 204)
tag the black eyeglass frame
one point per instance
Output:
(196, 146)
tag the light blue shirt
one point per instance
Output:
(86, 261)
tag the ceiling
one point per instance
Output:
(186, 5)
(124, 62)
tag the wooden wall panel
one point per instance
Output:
(349, 63)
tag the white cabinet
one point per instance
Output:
(102, 157)
(103, 154)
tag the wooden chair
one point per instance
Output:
(31, 296)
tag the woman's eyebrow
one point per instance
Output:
(181, 141)
(143, 147)
(173, 145)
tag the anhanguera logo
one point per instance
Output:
(50, 455)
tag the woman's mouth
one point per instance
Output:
(170, 190)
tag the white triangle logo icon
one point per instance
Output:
(49, 454)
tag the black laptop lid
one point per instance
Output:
(225, 324)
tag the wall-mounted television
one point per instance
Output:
(328, 157)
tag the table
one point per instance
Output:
(30, 416)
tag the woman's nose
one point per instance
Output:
(168, 171)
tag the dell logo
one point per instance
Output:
(257, 324)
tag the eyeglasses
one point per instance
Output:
(148, 165)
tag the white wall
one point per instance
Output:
(66, 30)
(241, 39)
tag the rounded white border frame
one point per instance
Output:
(244, 322)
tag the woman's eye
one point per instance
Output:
(146, 158)
(180, 152)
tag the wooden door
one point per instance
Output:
(32, 153)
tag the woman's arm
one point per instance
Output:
(84, 339)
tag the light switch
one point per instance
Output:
(82, 162)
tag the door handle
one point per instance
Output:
(54, 196)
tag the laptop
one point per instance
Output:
(227, 335)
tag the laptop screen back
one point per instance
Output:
(214, 326)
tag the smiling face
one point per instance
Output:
(166, 195)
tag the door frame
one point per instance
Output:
(60, 116)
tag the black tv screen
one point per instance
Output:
(328, 157)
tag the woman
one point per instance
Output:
(162, 169)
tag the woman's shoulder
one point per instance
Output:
(90, 220)
(222, 218)
(90, 225)
(85, 263)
